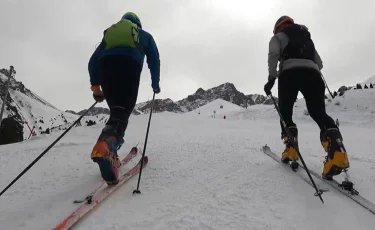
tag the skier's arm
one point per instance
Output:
(318, 60)
(153, 60)
(273, 57)
(93, 65)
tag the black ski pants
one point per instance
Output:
(310, 83)
(120, 76)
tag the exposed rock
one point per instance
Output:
(11, 131)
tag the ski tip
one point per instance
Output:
(145, 160)
(134, 150)
(265, 148)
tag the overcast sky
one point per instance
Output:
(202, 43)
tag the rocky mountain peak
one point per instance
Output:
(199, 91)
(226, 91)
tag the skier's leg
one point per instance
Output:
(102, 152)
(120, 82)
(126, 87)
(287, 94)
(313, 90)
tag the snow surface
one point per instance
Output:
(203, 173)
(355, 107)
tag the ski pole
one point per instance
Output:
(327, 86)
(144, 149)
(318, 193)
(44, 152)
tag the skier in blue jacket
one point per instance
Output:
(115, 69)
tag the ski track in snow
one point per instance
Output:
(203, 173)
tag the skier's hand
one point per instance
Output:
(268, 86)
(97, 93)
(98, 96)
(156, 90)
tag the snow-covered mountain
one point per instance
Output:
(370, 80)
(201, 97)
(355, 106)
(203, 173)
(29, 110)
(345, 107)
(30, 114)
(226, 91)
(217, 108)
(95, 111)
(160, 105)
(27, 113)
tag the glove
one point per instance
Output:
(97, 93)
(156, 90)
(268, 86)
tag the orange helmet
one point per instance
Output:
(281, 22)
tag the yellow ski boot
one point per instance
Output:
(336, 159)
(290, 152)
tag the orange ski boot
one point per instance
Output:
(105, 155)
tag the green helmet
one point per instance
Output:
(133, 18)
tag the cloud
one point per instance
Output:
(202, 43)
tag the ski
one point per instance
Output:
(98, 197)
(346, 188)
(293, 166)
(132, 153)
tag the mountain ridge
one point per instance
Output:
(26, 114)
(226, 91)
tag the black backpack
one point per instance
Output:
(300, 44)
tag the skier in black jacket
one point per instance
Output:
(299, 71)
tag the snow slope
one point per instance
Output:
(370, 80)
(218, 107)
(354, 107)
(203, 173)
(39, 115)
(33, 111)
